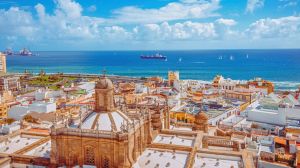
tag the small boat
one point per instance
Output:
(180, 59)
(156, 56)
(220, 57)
(247, 56)
(231, 58)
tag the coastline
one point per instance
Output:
(279, 85)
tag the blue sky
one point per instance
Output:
(149, 25)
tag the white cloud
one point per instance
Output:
(187, 30)
(70, 8)
(68, 28)
(227, 22)
(115, 33)
(40, 9)
(67, 23)
(187, 9)
(92, 8)
(287, 3)
(254, 4)
(272, 28)
(16, 22)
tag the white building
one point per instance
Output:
(227, 84)
(266, 110)
(291, 107)
(274, 110)
(140, 88)
(41, 94)
(7, 129)
(19, 111)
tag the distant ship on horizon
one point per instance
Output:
(8, 51)
(25, 52)
(156, 56)
(22, 52)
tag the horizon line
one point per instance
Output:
(169, 49)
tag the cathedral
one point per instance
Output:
(106, 137)
(115, 135)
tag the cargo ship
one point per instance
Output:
(156, 56)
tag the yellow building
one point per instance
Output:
(2, 63)
(3, 111)
(181, 116)
(173, 76)
(240, 95)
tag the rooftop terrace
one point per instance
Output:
(152, 158)
(16, 143)
(175, 140)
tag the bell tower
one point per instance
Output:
(104, 95)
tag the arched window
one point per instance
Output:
(89, 156)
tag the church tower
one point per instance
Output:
(104, 95)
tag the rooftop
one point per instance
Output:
(16, 143)
(151, 158)
(175, 140)
(41, 151)
(106, 121)
(211, 160)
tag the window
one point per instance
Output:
(105, 163)
(89, 156)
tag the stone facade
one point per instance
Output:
(201, 122)
(115, 148)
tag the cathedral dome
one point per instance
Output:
(201, 116)
(104, 83)
(106, 121)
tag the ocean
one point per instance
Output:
(280, 66)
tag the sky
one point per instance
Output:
(149, 24)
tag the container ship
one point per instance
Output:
(156, 56)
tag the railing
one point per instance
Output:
(270, 157)
(289, 159)
(85, 132)
(220, 142)
(260, 132)
(123, 134)
(184, 124)
(225, 127)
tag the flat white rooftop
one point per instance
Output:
(175, 140)
(151, 158)
(180, 128)
(16, 143)
(41, 151)
(232, 120)
(203, 160)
